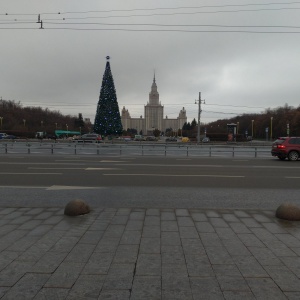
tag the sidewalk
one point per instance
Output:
(135, 253)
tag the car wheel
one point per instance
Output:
(281, 158)
(293, 155)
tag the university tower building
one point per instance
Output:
(154, 119)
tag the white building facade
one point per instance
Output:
(154, 119)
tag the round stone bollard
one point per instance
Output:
(288, 211)
(76, 207)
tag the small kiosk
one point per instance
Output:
(231, 132)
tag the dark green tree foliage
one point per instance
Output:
(193, 124)
(186, 126)
(108, 120)
(79, 122)
(156, 132)
(131, 131)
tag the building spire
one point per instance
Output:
(153, 95)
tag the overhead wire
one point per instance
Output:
(178, 25)
(157, 8)
(184, 13)
(55, 24)
(187, 7)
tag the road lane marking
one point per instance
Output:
(39, 163)
(69, 187)
(176, 175)
(111, 161)
(73, 160)
(22, 187)
(53, 187)
(57, 168)
(26, 173)
(169, 165)
(100, 169)
(210, 166)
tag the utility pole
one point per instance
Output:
(199, 114)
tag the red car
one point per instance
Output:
(286, 147)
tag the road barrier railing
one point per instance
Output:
(140, 149)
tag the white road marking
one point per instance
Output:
(170, 166)
(54, 187)
(100, 169)
(111, 161)
(68, 187)
(22, 187)
(25, 173)
(175, 175)
(58, 168)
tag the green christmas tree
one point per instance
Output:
(107, 119)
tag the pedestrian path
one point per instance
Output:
(148, 253)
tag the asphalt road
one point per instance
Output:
(148, 181)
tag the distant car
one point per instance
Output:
(10, 137)
(286, 147)
(90, 138)
(171, 139)
(126, 138)
(139, 137)
(3, 135)
(185, 139)
(51, 136)
(151, 138)
(206, 140)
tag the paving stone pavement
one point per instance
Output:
(136, 253)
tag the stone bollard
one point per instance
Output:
(76, 207)
(288, 211)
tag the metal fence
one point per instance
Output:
(130, 149)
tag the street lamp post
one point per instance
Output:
(67, 129)
(237, 128)
(199, 114)
(1, 119)
(24, 121)
(252, 128)
(271, 129)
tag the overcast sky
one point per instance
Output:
(242, 55)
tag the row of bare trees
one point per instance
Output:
(272, 123)
(26, 121)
